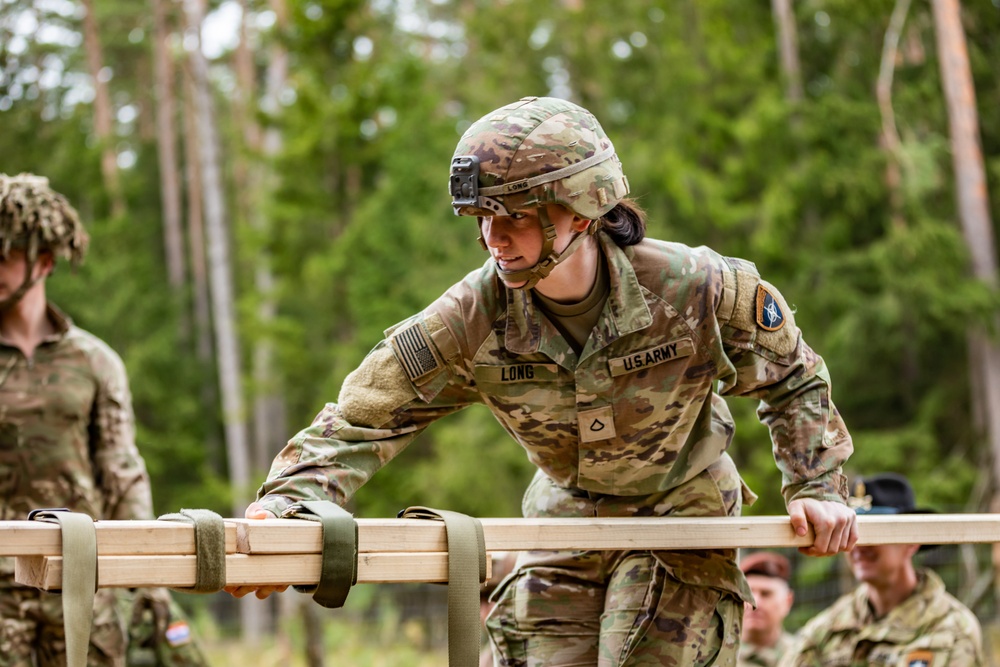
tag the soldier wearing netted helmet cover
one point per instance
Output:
(603, 354)
(66, 422)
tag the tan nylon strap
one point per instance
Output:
(466, 573)
(79, 578)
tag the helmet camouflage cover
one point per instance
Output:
(536, 151)
(34, 218)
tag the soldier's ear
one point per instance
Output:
(45, 264)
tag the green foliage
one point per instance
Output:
(116, 295)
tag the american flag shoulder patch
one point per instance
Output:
(415, 352)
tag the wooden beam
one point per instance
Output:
(45, 572)
(291, 536)
(42, 538)
(402, 535)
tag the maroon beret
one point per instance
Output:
(767, 563)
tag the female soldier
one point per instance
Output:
(600, 353)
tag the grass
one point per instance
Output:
(347, 640)
(355, 648)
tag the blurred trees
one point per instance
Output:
(340, 224)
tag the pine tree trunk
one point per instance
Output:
(883, 92)
(973, 212)
(166, 141)
(204, 350)
(269, 409)
(103, 116)
(788, 43)
(222, 299)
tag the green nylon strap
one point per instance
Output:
(79, 579)
(209, 548)
(339, 569)
(466, 573)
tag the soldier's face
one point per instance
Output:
(12, 270)
(515, 241)
(774, 601)
(881, 565)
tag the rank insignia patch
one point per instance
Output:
(416, 354)
(919, 659)
(769, 314)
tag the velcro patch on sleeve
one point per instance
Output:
(415, 351)
(724, 311)
(761, 310)
(375, 390)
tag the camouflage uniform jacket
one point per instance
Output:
(67, 431)
(752, 655)
(929, 629)
(635, 413)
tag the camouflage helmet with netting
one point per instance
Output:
(536, 151)
(35, 218)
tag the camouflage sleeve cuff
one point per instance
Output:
(831, 486)
(276, 505)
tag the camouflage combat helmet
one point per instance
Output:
(537, 151)
(34, 218)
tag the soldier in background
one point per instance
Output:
(602, 353)
(66, 423)
(899, 614)
(764, 639)
(159, 634)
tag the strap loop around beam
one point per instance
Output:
(339, 566)
(79, 580)
(209, 548)
(466, 573)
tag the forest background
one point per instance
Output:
(267, 194)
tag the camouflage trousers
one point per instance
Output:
(32, 634)
(624, 608)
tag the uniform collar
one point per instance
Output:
(59, 319)
(889, 627)
(625, 312)
(62, 321)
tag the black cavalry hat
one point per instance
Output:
(886, 493)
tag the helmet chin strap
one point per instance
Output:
(550, 258)
(26, 284)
